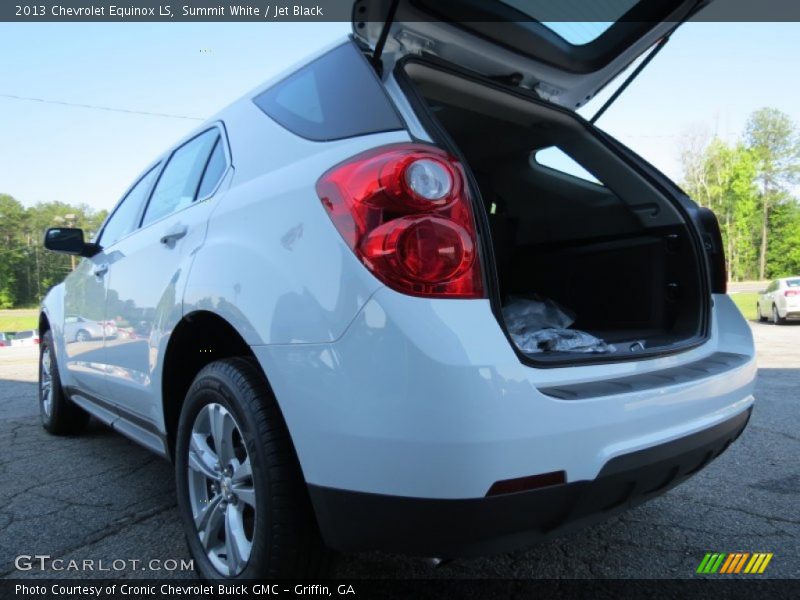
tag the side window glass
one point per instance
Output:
(558, 160)
(124, 218)
(214, 170)
(177, 186)
(334, 97)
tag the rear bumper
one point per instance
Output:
(351, 521)
(426, 399)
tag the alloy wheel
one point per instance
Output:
(46, 382)
(221, 491)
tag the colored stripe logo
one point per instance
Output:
(735, 562)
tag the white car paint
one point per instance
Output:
(272, 266)
(465, 412)
(382, 392)
(780, 300)
(29, 337)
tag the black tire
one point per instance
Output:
(82, 336)
(64, 417)
(776, 317)
(285, 538)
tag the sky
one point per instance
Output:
(707, 80)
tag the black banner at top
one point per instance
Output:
(375, 10)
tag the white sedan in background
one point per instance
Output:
(780, 301)
(29, 337)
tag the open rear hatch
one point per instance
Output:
(580, 237)
(565, 51)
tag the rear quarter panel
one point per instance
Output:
(273, 265)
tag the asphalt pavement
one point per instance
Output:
(99, 497)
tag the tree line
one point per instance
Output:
(751, 185)
(27, 271)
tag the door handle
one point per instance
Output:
(169, 238)
(100, 270)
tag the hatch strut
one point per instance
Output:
(376, 55)
(656, 49)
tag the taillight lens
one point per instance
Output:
(788, 293)
(406, 213)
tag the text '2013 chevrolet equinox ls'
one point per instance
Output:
(311, 297)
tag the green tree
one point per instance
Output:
(783, 254)
(741, 216)
(721, 177)
(27, 271)
(772, 137)
(12, 222)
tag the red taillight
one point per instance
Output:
(788, 293)
(406, 213)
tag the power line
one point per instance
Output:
(95, 107)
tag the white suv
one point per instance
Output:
(310, 295)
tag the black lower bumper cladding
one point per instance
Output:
(478, 526)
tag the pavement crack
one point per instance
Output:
(776, 432)
(107, 532)
(767, 518)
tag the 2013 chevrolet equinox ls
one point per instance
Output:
(310, 293)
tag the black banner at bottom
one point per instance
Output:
(192, 589)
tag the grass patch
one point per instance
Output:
(746, 301)
(19, 319)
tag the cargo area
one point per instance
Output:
(573, 227)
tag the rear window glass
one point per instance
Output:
(336, 96)
(793, 282)
(576, 21)
(579, 34)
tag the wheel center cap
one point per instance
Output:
(225, 486)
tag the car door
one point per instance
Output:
(85, 293)
(145, 284)
(779, 298)
(763, 301)
(767, 299)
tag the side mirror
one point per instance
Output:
(69, 240)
